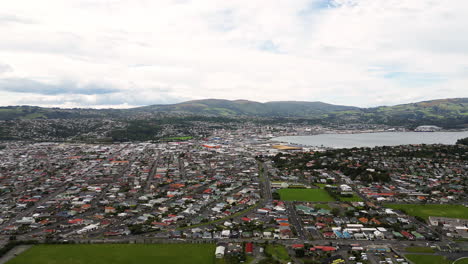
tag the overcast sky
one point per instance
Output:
(123, 53)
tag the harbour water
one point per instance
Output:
(374, 139)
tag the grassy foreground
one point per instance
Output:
(462, 261)
(118, 254)
(305, 195)
(426, 210)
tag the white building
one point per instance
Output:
(345, 188)
(427, 128)
(26, 220)
(220, 251)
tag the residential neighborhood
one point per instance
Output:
(247, 194)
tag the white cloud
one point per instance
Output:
(357, 52)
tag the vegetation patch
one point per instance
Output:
(278, 252)
(118, 254)
(306, 195)
(426, 210)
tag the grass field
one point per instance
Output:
(354, 198)
(461, 261)
(278, 252)
(420, 250)
(118, 254)
(306, 195)
(426, 210)
(427, 259)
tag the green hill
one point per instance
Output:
(249, 108)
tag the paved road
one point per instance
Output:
(266, 185)
(296, 221)
(287, 242)
(152, 172)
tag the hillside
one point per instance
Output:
(249, 108)
(447, 113)
(35, 112)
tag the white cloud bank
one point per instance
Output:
(352, 52)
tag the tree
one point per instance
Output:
(300, 252)
(335, 211)
(462, 141)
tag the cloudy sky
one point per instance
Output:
(123, 53)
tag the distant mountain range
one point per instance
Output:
(220, 107)
(449, 113)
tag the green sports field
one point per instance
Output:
(426, 210)
(306, 195)
(118, 254)
(427, 259)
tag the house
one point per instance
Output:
(26, 220)
(407, 235)
(226, 233)
(77, 221)
(329, 235)
(207, 235)
(323, 248)
(378, 248)
(286, 233)
(359, 236)
(109, 210)
(345, 188)
(249, 248)
(379, 235)
(88, 228)
(267, 234)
